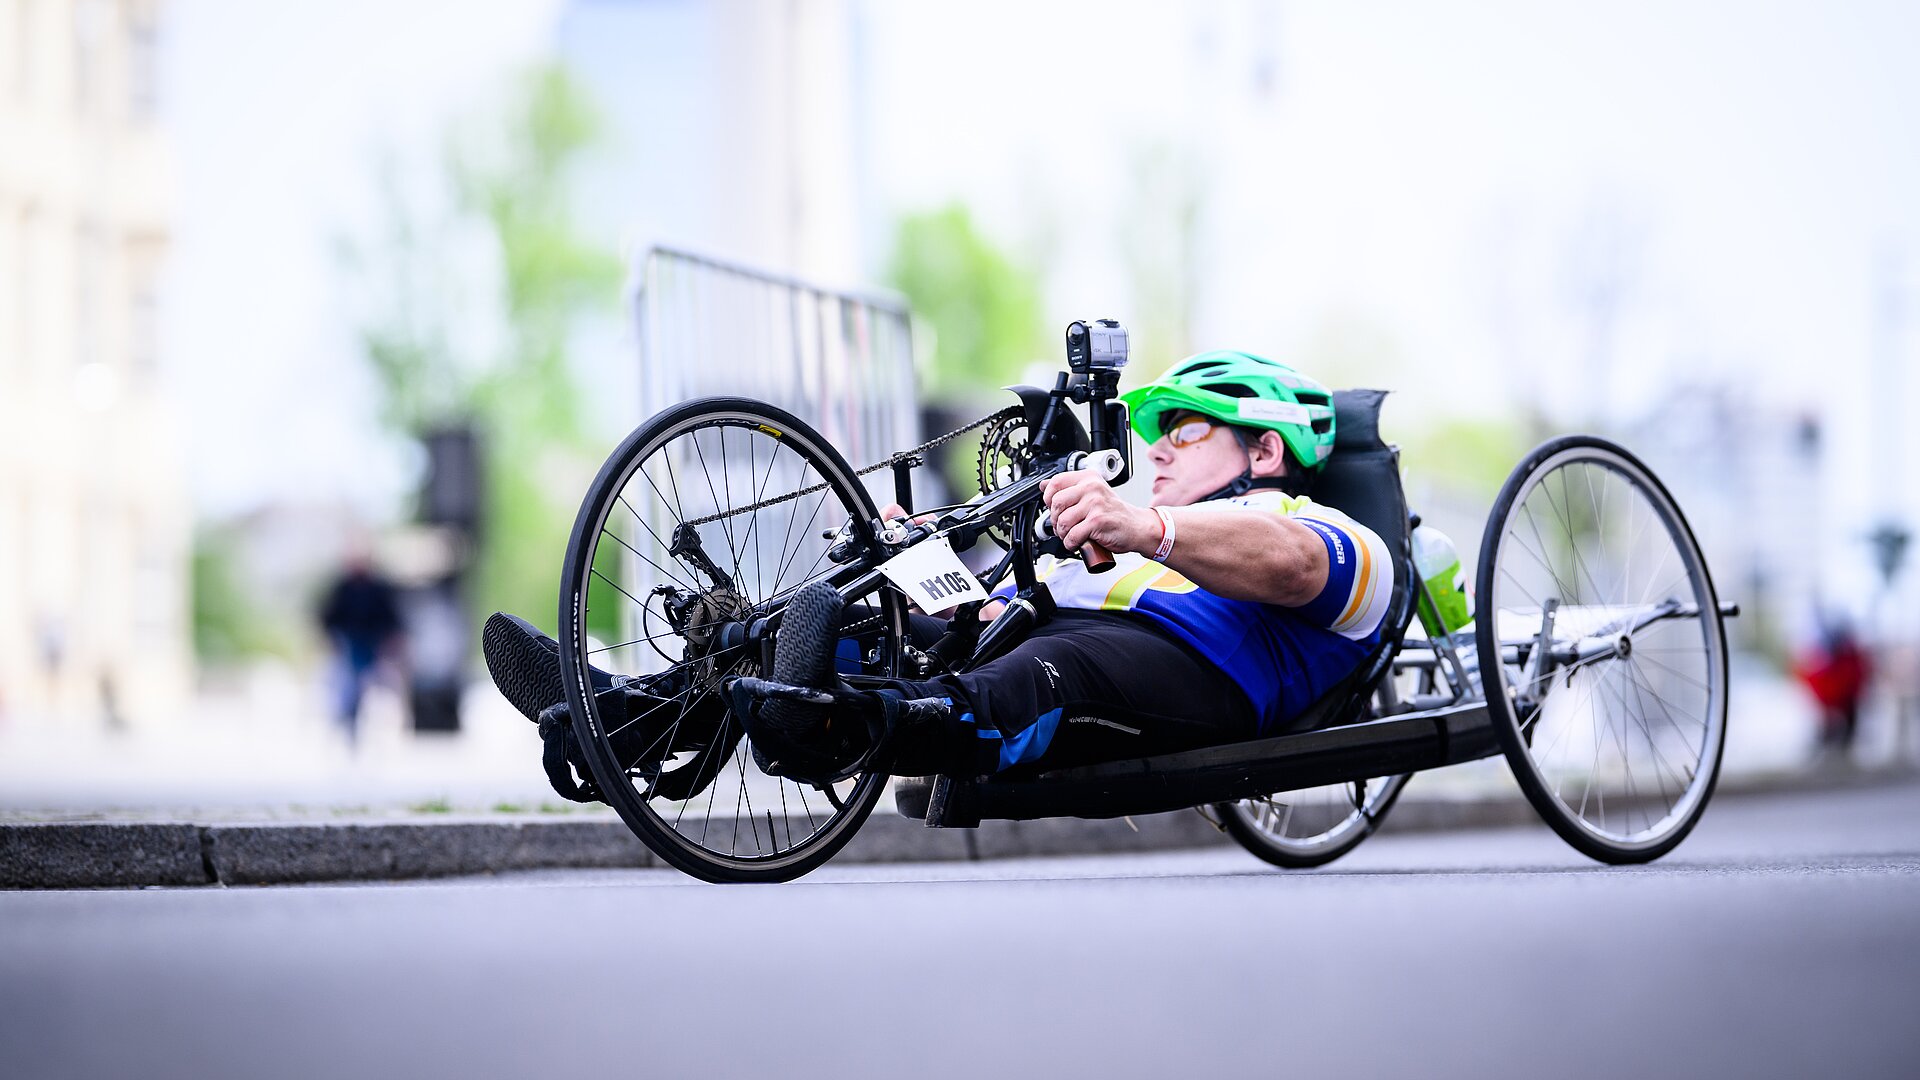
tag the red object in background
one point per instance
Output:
(1836, 674)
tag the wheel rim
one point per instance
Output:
(1622, 734)
(698, 473)
(1315, 820)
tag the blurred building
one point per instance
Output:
(735, 127)
(95, 523)
(1748, 475)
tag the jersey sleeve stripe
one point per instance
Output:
(1371, 599)
(1362, 586)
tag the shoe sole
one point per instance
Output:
(803, 655)
(526, 671)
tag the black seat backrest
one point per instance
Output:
(1362, 480)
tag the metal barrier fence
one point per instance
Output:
(842, 362)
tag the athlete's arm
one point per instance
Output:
(1265, 558)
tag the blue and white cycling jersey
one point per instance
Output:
(1283, 657)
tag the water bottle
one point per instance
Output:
(1438, 564)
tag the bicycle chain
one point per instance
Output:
(1008, 413)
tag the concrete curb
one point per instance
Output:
(110, 854)
(105, 853)
(270, 854)
(97, 854)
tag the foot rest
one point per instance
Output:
(911, 794)
(940, 801)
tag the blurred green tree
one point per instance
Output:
(980, 308)
(227, 625)
(451, 348)
(981, 305)
(1468, 456)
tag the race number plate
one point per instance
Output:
(932, 576)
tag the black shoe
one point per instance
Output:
(640, 713)
(796, 739)
(525, 665)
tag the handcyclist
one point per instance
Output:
(1235, 602)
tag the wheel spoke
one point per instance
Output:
(615, 584)
(721, 508)
(1683, 777)
(1565, 593)
(786, 540)
(1573, 536)
(664, 546)
(1599, 513)
(661, 636)
(1670, 670)
(811, 518)
(1660, 698)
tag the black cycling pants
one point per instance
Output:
(1083, 688)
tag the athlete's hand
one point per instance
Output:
(1085, 508)
(893, 511)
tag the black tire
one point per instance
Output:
(1584, 529)
(1311, 827)
(615, 537)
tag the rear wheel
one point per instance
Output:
(705, 518)
(1596, 610)
(1313, 826)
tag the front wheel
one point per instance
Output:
(1601, 645)
(705, 519)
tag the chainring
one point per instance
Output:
(1006, 454)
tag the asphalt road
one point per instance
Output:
(1783, 939)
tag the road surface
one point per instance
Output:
(1782, 939)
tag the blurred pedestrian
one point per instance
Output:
(361, 617)
(1835, 669)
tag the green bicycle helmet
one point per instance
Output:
(1244, 389)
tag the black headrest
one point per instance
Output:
(1362, 477)
(1356, 419)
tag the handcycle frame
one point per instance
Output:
(1360, 730)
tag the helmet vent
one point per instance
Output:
(1206, 368)
(1232, 389)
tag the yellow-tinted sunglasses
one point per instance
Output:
(1193, 429)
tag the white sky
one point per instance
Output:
(1414, 164)
(1418, 155)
